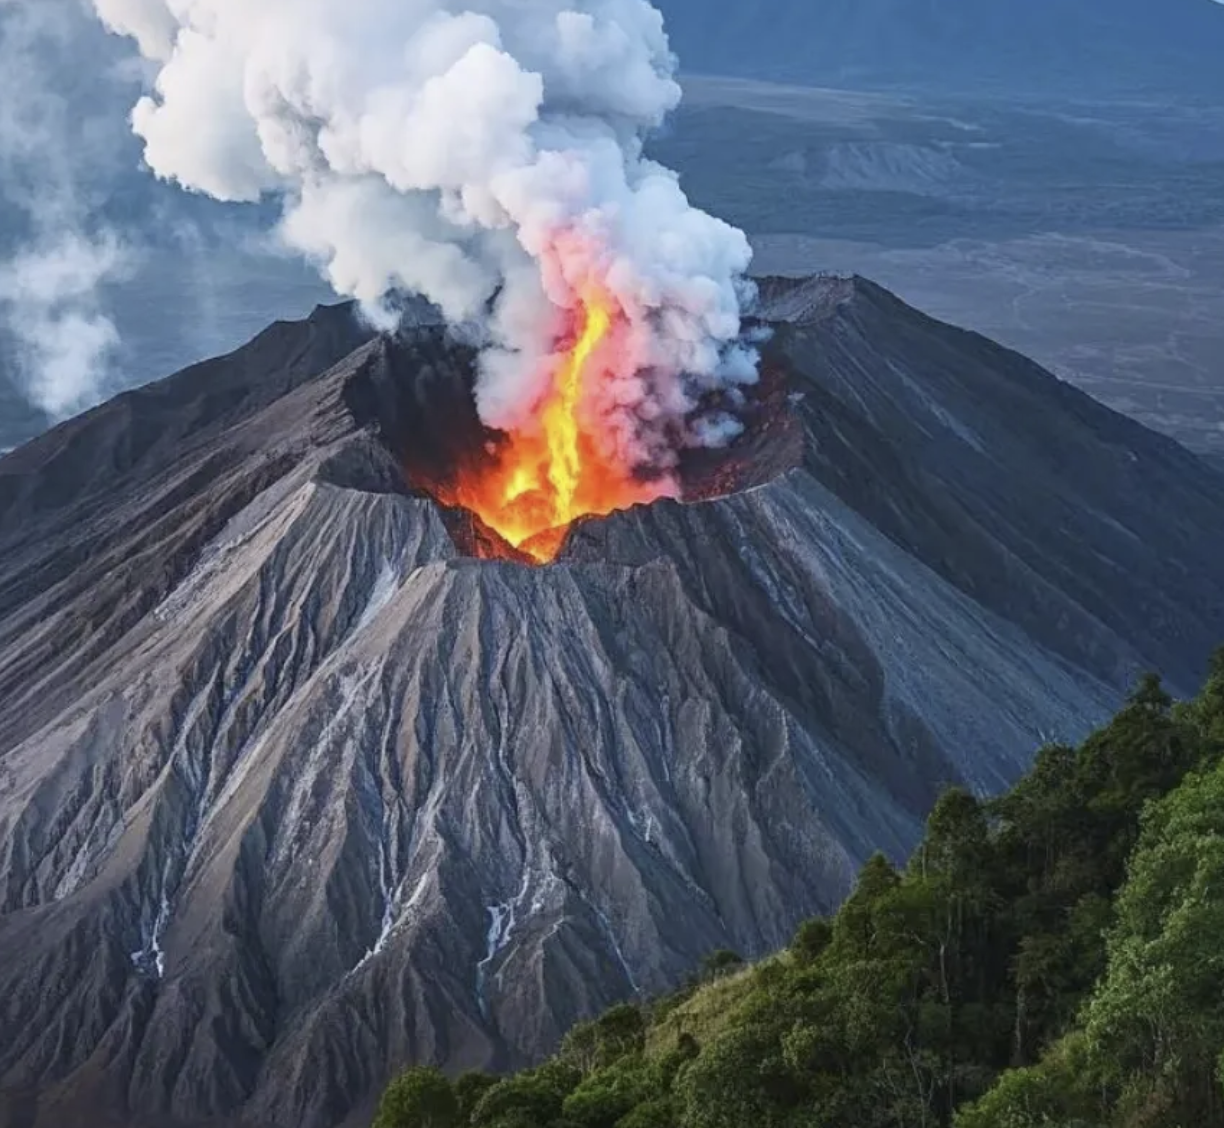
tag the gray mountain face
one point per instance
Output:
(295, 789)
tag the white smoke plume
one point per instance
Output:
(53, 265)
(488, 156)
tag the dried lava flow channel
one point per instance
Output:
(544, 477)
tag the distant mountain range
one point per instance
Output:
(295, 790)
(1031, 48)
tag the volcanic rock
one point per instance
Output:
(304, 777)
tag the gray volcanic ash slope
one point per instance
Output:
(293, 791)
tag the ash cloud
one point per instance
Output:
(55, 263)
(489, 157)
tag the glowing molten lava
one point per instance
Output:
(543, 478)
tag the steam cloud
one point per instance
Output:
(489, 158)
(49, 287)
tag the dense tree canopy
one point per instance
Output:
(1053, 957)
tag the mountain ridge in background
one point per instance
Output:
(1081, 48)
(293, 791)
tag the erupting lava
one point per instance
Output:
(543, 479)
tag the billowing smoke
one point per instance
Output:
(489, 157)
(52, 311)
(54, 259)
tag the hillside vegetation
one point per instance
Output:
(1053, 957)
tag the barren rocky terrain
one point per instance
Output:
(300, 782)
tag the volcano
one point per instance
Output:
(308, 771)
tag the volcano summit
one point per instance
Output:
(518, 495)
(305, 774)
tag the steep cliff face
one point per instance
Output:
(299, 781)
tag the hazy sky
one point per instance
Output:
(55, 151)
(108, 277)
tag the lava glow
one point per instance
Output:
(543, 479)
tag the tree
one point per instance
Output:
(1148, 1051)
(720, 963)
(469, 1088)
(957, 841)
(855, 927)
(1150, 694)
(621, 1031)
(659, 1113)
(419, 1098)
(1049, 1095)
(605, 1097)
(739, 1079)
(1206, 712)
(1064, 835)
(526, 1100)
(811, 940)
(594, 1045)
(1156, 1022)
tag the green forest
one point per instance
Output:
(1052, 957)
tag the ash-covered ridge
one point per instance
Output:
(293, 790)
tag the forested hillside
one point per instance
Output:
(1052, 957)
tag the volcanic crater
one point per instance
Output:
(422, 405)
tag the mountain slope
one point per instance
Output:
(293, 792)
(1079, 47)
(922, 995)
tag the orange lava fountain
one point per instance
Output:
(544, 478)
